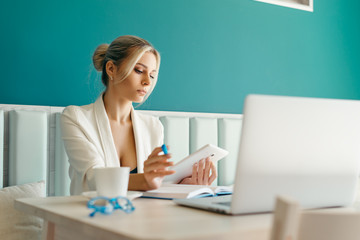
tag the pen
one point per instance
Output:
(163, 147)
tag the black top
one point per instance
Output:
(133, 171)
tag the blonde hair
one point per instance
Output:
(124, 52)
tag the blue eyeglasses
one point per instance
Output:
(106, 205)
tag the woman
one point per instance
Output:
(110, 133)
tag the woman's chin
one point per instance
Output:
(138, 100)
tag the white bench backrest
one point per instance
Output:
(31, 148)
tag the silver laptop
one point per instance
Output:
(305, 148)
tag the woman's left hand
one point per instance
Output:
(201, 173)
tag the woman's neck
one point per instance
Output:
(117, 109)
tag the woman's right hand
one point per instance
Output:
(155, 168)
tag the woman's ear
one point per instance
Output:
(110, 69)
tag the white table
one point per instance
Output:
(68, 218)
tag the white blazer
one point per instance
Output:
(89, 143)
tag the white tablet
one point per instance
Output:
(184, 167)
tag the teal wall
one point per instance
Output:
(214, 52)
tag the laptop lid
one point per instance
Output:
(306, 148)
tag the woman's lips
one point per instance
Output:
(142, 92)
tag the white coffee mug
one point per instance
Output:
(112, 181)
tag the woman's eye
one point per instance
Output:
(138, 71)
(152, 77)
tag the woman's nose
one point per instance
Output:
(146, 80)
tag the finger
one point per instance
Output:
(159, 158)
(186, 180)
(213, 173)
(160, 173)
(194, 176)
(155, 152)
(201, 172)
(207, 171)
(157, 166)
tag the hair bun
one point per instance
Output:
(99, 56)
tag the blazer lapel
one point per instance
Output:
(139, 141)
(103, 125)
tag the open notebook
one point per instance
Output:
(176, 191)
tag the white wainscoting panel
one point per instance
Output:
(176, 135)
(62, 179)
(229, 139)
(28, 137)
(203, 131)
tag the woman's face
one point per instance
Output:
(138, 83)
